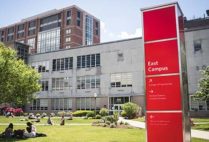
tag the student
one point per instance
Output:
(8, 133)
(31, 130)
(62, 120)
(49, 121)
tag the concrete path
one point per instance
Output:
(194, 133)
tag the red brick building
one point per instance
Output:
(69, 27)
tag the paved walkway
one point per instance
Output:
(194, 133)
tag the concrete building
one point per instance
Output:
(197, 46)
(71, 77)
(69, 27)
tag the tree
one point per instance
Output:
(203, 85)
(130, 110)
(18, 81)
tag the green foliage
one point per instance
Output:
(61, 113)
(81, 113)
(90, 114)
(98, 116)
(130, 109)
(123, 114)
(18, 81)
(203, 85)
(38, 115)
(112, 125)
(103, 112)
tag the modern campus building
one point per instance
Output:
(69, 27)
(103, 74)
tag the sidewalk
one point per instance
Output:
(194, 133)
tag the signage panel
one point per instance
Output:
(159, 24)
(161, 57)
(164, 127)
(163, 93)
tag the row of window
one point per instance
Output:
(86, 61)
(62, 64)
(87, 82)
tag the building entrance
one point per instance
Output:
(115, 103)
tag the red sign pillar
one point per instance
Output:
(165, 71)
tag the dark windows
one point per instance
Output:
(10, 35)
(197, 45)
(20, 31)
(62, 64)
(89, 30)
(97, 28)
(42, 66)
(2, 36)
(68, 17)
(44, 85)
(86, 61)
(50, 22)
(32, 28)
(78, 18)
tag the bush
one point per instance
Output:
(69, 113)
(98, 117)
(108, 122)
(123, 114)
(130, 109)
(103, 112)
(90, 114)
(81, 113)
(112, 125)
(14, 111)
(61, 113)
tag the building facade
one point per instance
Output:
(71, 77)
(69, 27)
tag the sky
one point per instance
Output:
(120, 19)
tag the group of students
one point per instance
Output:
(20, 133)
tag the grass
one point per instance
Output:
(80, 133)
(56, 120)
(86, 134)
(201, 124)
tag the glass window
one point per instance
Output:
(42, 66)
(48, 40)
(31, 43)
(62, 64)
(67, 39)
(83, 61)
(88, 82)
(61, 83)
(197, 45)
(121, 80)
(78, 62)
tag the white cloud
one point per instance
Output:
(125, 35)
(103, 27)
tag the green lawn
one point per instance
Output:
(201, 124)
(56, 120)
(78, 133)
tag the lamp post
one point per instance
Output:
(95, 96)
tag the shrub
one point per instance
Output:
(109, 118)
(108, 122)
(14, 111)
(104, 125)
(90, 117)
(61, 113)
(98, 116)
(123, 114)
(126, 123)
(130, 109)
(69, 113)
(112, 125)
(81, 113)
(90, 114)
(103, 112)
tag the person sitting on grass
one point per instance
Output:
(49, 121)
(62, 120)
(31, 131)
(8, 133)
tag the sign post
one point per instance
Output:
(167, 117)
